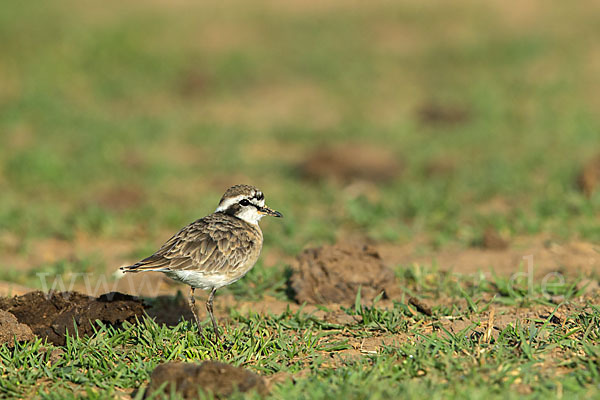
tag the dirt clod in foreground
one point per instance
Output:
(219, 378)
(348, 163)
(420, 306)
(11, 329)
(589, 177)
(333, 274)
(50, 315)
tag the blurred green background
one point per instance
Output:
(122, 121)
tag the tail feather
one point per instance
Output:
(128, 268)
(148, 264)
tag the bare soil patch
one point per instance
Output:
(189, 379)
(12, 289)
(351, 162)
(536, 255)
(334, 274)
(119, 198)
(51, 315)
(112, 252)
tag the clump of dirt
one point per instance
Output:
(51, 315)
(352, 162)
(437, 114)
(420, 306)
(493, 240)
(588, 180)
(333, 274)
(11, 329)
(193, 83)
(189, 380)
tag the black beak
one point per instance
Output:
(267, 211)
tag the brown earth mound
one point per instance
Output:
(494, 240)
(437, 114)
(589, 177)
(11, 329)
(190, 379)
(348, 163)
(51, 315)
(333, 274)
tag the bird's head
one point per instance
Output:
(245, 202)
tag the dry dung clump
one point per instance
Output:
(437, 114)
(11, 330)
(193, 83)
(493, 240)
(51, 315)
(189, 380)
(588, 180)
(333, 274)
(420, 306)
(348, 163)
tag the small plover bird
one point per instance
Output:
(216, 250)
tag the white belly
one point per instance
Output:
(199, 280)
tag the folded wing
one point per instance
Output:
(210, 245)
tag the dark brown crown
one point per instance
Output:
(242, 190)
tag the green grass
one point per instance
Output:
(124, 122)
(532, 357)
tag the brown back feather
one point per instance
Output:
(210, 244)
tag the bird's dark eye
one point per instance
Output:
(244, 202)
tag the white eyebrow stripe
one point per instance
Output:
(227, 203)
(233, 200)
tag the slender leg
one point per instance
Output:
(192, 304)
(209, 308)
